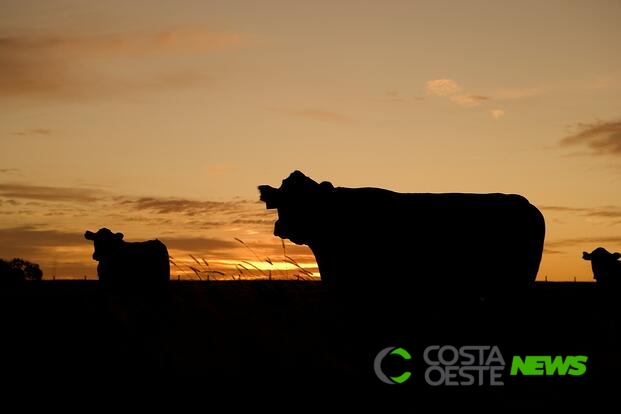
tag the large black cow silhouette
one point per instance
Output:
(376, 237)
(127, 265)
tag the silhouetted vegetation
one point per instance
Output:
(18, 270)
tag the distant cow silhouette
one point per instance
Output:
(373, 236)
(129, 264)
(606, 266)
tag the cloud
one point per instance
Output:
(62, 66)
(31, 236)
(184, 206)
(604, 212)
(584, 242)
(257, 221)
(469, 101)
(121, 44)
(33, 131)
(200, 245)
(57, 252)
(68, 253)
(8, 202)
(551, 251)
(43, 193)
(600, 138)
(157, 211)
(313, 114)
(565, 209)
(450, 89)
(497, 113)
(9, 171)
(205, 224)
(442, 87)
(200, 227)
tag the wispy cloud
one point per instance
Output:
(605, 212)
(9, 171)
(315, 114)
(44, 193)
(57, 252)
(71, 254)
(255, 221)
(599, 138)
(62, 66)
(33, 237)
(586, 243)
(127, 44)
(565, 209)
(184, 206)
(205, 228)
(72, 201)
(201, 245)
(448, 88)
(469, 100)
(442, 87)
(33, 131)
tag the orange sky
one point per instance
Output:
(160, 119)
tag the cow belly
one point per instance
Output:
(454, 247)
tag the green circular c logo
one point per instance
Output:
(377, 365)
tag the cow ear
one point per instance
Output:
(119, 236)
(616, 255)
(586, 256)
(89, 235)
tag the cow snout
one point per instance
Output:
(269, 195)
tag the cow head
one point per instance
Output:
(299, 201)
(605, 265)
(601, 255)
(106, 243)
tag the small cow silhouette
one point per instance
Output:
(606, 266)
(129, 264)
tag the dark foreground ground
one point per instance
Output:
(304, 336)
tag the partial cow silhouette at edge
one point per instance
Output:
(475, 243)
(606, 267)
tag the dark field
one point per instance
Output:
(300, 334)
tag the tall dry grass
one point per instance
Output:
(246, 270)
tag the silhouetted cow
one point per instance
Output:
(377, 237)
(123, 264)
(606, 266)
